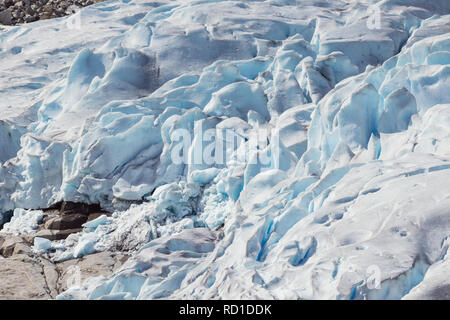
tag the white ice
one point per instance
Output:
(356, 103)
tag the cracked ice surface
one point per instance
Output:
(360, 194)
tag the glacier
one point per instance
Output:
(352, 103)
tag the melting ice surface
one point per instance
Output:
(356, 94)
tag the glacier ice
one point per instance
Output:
(23, 221)
(356, 143)
(41, 244)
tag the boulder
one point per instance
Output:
(55, 234)
(22, 248)
(27, 275)
(65, 222)
(8, 245)
(6, 17)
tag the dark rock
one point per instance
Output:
(55, 234)
(29, 19)
(44, 15)
(65, 222)
(47, 8)
(14, 12)
(6, 17)
(6, 217)
(68, 207)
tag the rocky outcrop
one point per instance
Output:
(97, 264)
(14, 12)
(24, 277)
(65, 222)
(64, 219)
(25, 274)
(10, 245)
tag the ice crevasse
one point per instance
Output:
(351, 204)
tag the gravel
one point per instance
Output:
(13, 12)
